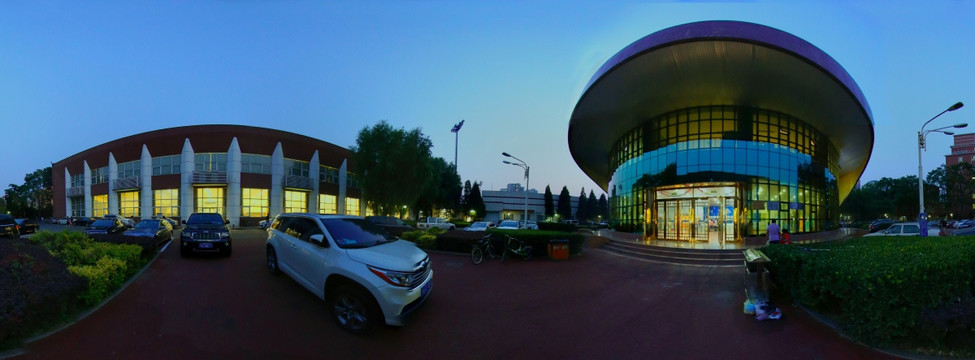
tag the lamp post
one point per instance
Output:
(922, 217)
(521, 163)
(456, 131)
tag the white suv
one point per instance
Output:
(363, 273)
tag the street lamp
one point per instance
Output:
(521, 163)
(922, 217)
(456, 131)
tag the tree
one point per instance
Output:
(602, 207)
(549, 203)
(591, 206)
(477, 202)
(443, 188)
(581, 212)
(394, 166)
(33, 198)
(565, 204)
(466, 197)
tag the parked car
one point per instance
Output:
(172, 223)
(205, 232)
(434, 222)
(531, 225)
(8, 227)
(880, 224)
(508, 225)
(161, 230)
(81, 221)
(392, 225)
(105, 226)
(27, 226)
(477, 226)
(365, 275)
(905, 229)
(63, 221)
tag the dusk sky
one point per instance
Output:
(76, 74)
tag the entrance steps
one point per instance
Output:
(675, 255)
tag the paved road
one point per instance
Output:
(597, 305)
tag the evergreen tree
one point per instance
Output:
(477, 202)
(549, 203)
(591, 207)
(602, 207)
(565, 204)
(466, 197)
(581, 213)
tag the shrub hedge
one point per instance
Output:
(36, 290)
(884, 289)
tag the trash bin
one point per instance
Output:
(558, 249)
(756, 275)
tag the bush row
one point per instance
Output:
(36, 290)
(884, 289)
(461, 241)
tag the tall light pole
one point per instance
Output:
(521, 163)
(922, 217)
(456, 131)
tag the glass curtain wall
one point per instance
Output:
(784, 168)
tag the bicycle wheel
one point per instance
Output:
(490, 252)
(477, 255)
(528, 253)
(504, 254)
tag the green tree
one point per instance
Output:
(602, 207)
(582, 213)
(395, 166)
(442, 190)
(34, 197)
(477, 202)
(564, 206)
(549, 203)
(591, 206)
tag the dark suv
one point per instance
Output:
(8, 227)
(205, 232)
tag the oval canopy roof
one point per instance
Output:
(721, 63)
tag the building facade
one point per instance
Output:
(244, 173)
(509, 204)
(963, 150)
(708, 131)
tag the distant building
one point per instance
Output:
(963, 151)
(509, 203)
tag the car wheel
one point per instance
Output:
(352, 310)
(272, 261)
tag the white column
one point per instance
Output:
(87, 173)
(277, 177)
(313, 173)
(342, 182)
(67, 186)
(145, 191)
(112, 176)
(233, 183)
(187, 164)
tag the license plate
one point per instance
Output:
(426, 289)
(206, 245)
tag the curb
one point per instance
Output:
(23, 350)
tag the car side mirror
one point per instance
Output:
(226, 222)
(318, 239)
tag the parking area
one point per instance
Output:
(597, 305)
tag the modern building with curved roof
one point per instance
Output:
(244, 173)
(707, 131)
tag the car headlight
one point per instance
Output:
(188, 235)
(225, 235)
(395, 278)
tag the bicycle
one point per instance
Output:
(482, 247)
(517, 247)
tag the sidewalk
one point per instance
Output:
(748, 243)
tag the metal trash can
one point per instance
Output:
(756, 275)
(558, 249)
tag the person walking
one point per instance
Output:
(773, 232)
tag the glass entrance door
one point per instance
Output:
(703, 213)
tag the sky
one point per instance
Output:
(76, 74)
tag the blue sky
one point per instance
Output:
(74, 75)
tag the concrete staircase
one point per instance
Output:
(677, 256)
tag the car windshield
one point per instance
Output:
(351, 233)
(148, 224)
(103, 223)
(214, 219)
(508, 223)
(479, 224)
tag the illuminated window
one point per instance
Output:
(128, 203)
(327, 204)
(253, 202)
(295, 201)
(352, 206)
(166, 202)
(369, 211)
(209, 199)
(99, 205)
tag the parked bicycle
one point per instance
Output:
(481, 248)
(517, 247)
